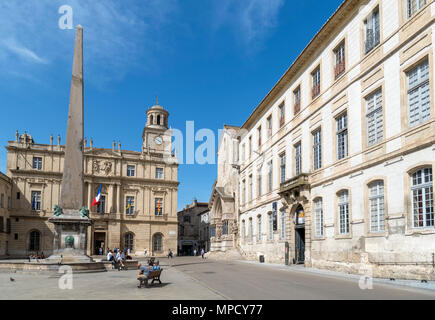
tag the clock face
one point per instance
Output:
(158, 140)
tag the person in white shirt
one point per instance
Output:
(119, 259)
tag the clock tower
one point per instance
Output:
(156, 136)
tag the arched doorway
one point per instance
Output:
(34, 241)
(129, 241)
(299, 222)
(157, 243)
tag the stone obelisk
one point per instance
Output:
(71, 197)
(71, 218)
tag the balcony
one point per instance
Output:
(297, 182)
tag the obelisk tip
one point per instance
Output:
(79, 26)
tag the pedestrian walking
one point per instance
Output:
(194, 252)
(170, 254)
(202, 253)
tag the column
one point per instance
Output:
(89, 195)
(110, 200)
(118, 189)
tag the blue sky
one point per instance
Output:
(209, 61)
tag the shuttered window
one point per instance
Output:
(422, 198)
(283, 229)
(374, 118)
(377, 207)
(251, 231)
(297, 98)
(413, 6)
(282, 167)
(316, 83)
(259, 182)
(270, 177)
(372, 31)
(343, 210)
(298, 159)
(250, 188)
(340, 60)
(259, 237)
(419, 94)
(318, 217)
(342, 137)
(317, 149)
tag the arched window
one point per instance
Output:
(251, 231)
(377, 206)
(422, 198)
(283, 226)
(318, 222)
(157, 243)
(35, 237)
(259, 228)
(151, 119)
(225, 227)
(129, 241)
(158, 120)
(343, 212)
(243, 230)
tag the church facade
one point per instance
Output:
(138, 207)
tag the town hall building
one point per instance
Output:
(138, 207)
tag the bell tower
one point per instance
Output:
(155, 134)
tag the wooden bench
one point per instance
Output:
(154, 275)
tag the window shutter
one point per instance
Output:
(419, 94)
(376, 28)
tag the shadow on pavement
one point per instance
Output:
(156, 285)
(187, 264)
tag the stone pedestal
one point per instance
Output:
(70, 237)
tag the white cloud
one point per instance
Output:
(118, 36)
(23, 52)
(252, 19)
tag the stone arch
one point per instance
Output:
(218, 209)
(34, 238)
(157, 242)
(129, 240)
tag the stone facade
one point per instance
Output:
(5, 201)
(336, 162)
(189, 220)
(224, 197)
(204, 231)
(147, 180)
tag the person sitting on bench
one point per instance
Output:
(156, 266)
(144, 272)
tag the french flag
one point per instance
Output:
(97, 198)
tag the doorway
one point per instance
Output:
(99, 242)
(299, 235)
